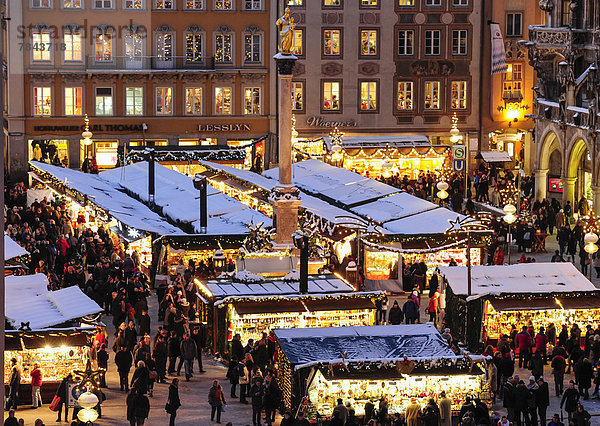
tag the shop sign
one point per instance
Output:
(458, 165)
(93, 128)
(459, 152)
(234, 127)
(317, 121)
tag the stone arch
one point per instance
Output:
(578, 148)
(550, 143)
(574, 185)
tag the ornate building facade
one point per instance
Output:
(564, 55)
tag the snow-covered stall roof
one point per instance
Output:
(523, 278)
(12, 249)
(494, 156)
(179, 200)
(435, 221)
(304, 347)
(42, 309)
(108, 197)
(221, 288)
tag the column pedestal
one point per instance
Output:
(541, 184)
(569, 191)
(596, 199)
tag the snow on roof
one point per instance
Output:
(42, 308)
(388, 343)
(394, 207)
(107, 196)
(12, 249)
(382, 141)
(435, 221)
(523, 278)
(179, 200)
(246, 175)
(494, 156)
(221, 288)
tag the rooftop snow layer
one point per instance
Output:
(12, 249)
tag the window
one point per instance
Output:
(164, 101)
(298, 48)
(369, 3)
(42, 101)
(331, 96)
(368, 95)
(297, 95)
(134, 101)
(406, 2)
(102, 4)
(72, 4)
(223, 48)
(252, 101)
(164, 49)
(329, 3)
(458, 95)
(405, 42)
(565, 15)
(134, 48)
(432, 95)
(295, 3)
(103, 44)
(512, 86)
(41, 45)
(433, 2)
(405, 95)
(73, 100)
(224, 4)
(432, 42)
(164, 4)
(252, 45)
(223, 100)
(72, 50)
(368, 42)
(194, 4)
(134, 4)
(253, 4)
(193, 100)
(41, 4)
(459, 42)
(193, 47)
(104, 101)
(331, 42)
(460, 2)
(514, 24)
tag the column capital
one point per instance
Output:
(568, 180)
(285, 63)
(541, 172)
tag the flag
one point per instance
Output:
(498, 52)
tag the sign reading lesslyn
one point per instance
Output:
(93, 128)
(236, 127)
(320, 122)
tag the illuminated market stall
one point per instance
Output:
(15, 257)
(47, 327)
(534, 294)
(250, 304)
(365, 364)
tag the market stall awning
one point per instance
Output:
(344, 303)
(522, 278)
(494, 156)
(12, 342)
(35, 340)
(281, 306)
(12, 249)
(514, 304)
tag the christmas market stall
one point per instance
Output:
(15, 257)
(504, 296)
(48, 328)
(364, 364)
(251, 304)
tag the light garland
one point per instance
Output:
(415, 251)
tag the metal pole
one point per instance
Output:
(467, 165)
(468, 263)
(508, 241)
(2, 295)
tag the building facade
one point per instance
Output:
(506, 123)
(146, 72)
(564, 55)
(387, 67)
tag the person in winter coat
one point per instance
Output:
(287, 419)
(556, 421)
(410, 310)
(434, 308)
(272, 399)
(395, 316)
(188, 353)
(198, 338)
(431, 414)
(233, 375)
(36, 386)
(508, 398)
(141, 377)
(383, 411)
(160, 357)
(537, 365)
(14, 382)
(216, 399)
(300, 421)
(541, 340)
(144, 323)
(585, 372)
(558, 365)
(123, 359)
(244, 379)
(542, 400)
(336, 419)
(445, 405)
(524, 343)
(173, 350)
(570, 399)
(257, 393)
(63, 393)
(581, 417)
(138, 407)
(492, 373)
(237, 350)
(413, 412)
(173, 402)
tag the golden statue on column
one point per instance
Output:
(286, 26)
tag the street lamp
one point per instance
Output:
(509, 218)
(386, 168)
(442, 194)
(87, 401)
(219, 259)
(337, 154)
(86, 134)
(590, 247)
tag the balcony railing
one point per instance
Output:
(148, 63)
(512, 96)
(573, 115)
(558, 38)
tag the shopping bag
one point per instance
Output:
(224, 407)
(55, 403)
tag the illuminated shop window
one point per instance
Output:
(73, 100)
(164, 101)
(224, 4)
(459, 95)
(104, 44)
(298, 95)
(72, 41)
(193, 47)
(331, 42)
(134, 101)
(42, 101)
(432, 95)
(193, 100)
(368, 95)
(41, 47)
(368, 42)
(252, 45)
(223, 101)
(223, 52)
(252, 100)
(331, 96)
(405, 95)
(298, 48)
(104, 101)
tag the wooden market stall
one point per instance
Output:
(503, 296)
(16, 257)
(365, 364)
(250, 304)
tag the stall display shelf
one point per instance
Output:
(55, 363)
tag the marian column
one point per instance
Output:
(285, 196)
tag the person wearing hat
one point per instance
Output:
(413, 412)
(556, 421)
(445, 405)
(570, 399)
(301, 420)
(542, 399)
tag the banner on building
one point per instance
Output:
(498, 52)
